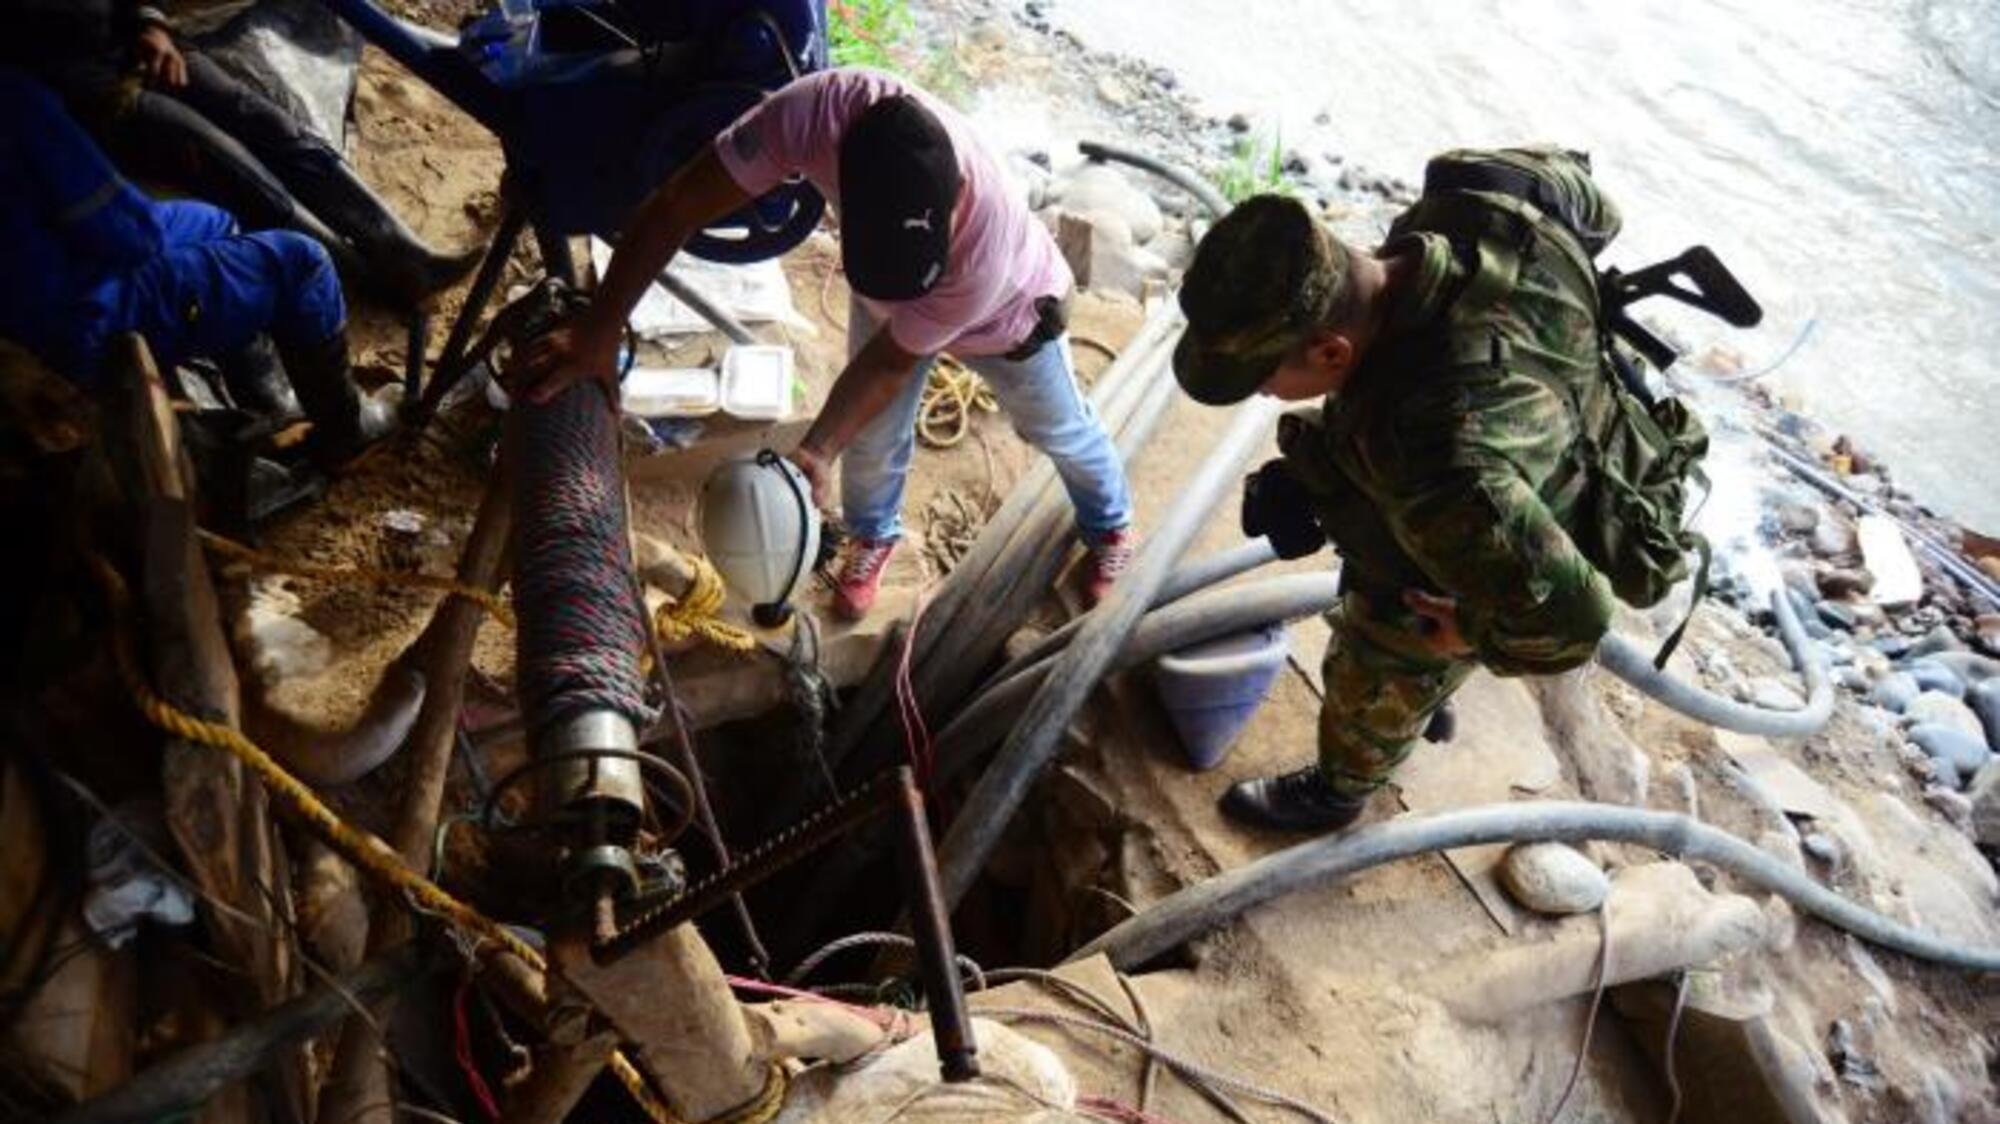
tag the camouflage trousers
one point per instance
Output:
(1382, 686)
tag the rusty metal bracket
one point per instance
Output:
(896, 791)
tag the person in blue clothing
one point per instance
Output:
(85, 257)
(170, 113)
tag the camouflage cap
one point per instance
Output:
(1262, 277)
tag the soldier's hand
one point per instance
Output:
(1440, 616)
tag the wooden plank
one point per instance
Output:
(219, 819)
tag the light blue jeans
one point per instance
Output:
(1049, 410)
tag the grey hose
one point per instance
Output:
(1209, 905)
(1216, 612)
(1075, 672)
(1628, 662)
(1190, 578)
(1180, 177)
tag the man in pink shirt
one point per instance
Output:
(940, 254)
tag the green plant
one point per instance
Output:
(868, 32)
(1254, 169)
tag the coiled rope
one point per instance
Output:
(579, 644)
(951, 394)
(696, 613)
(365, 850)
(358, 575)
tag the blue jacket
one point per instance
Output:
(69, 224)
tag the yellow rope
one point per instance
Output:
(365, 850)
(764, 1108)
(944, 416)
(694, 614)
(361, 575)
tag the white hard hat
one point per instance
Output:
(760, 529)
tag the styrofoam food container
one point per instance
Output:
(671, 392)
(757, 382)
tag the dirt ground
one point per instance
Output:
(1319, 995)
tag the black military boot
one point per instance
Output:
(1443, 724)
(344, 421)
(1296, 801)
(256, 382)
(398, 262)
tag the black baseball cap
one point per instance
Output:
(899, 180)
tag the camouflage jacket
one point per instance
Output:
(1445, 462)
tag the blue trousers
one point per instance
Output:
(1049, 410)
(211, 290)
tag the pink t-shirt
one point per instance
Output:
(1002, 260)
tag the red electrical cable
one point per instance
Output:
(916, 734)
(462, 1051)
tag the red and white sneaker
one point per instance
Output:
(1110, 556)
(861, 577)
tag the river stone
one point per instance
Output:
(1774, 694)
(1939, 639)
(1936, 707)
(1103, 188)
(1825, 848)
(1952, 805)
(1836, 615)
(1986, 629)
(1854, 679)
(1984, 700)
(1553, 878)
(1894, 646)
(1964, 753)
(1797, 518)
(1936, 677)
(1895, 692)
(1985, 795)
(1833, 538)
(1842, 583)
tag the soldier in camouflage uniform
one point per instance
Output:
(1459, 363)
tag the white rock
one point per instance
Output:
(1553, 878)
(276, 644)
(1936, 706)
(1773, 694)
(1885, 554)
(1101, 187)
(1985, 794)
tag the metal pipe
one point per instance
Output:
(707, 309)
(1075, 673)
(937, 958)
(1174, 174)
(1941, 553)
(452, 364)
(1208, 905)
(1629, 662)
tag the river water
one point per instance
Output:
(1843, 156)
